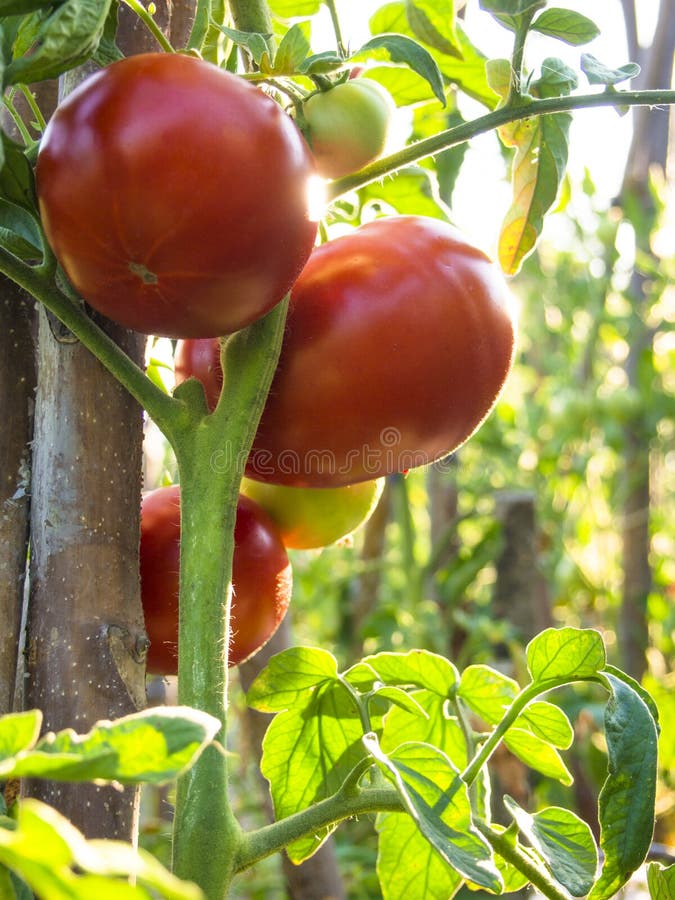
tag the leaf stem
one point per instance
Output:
(332, 9)
(487, 748)
(483, 124)
(152, 26)
(516, 90)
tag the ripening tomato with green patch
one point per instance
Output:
(176, 196)
(348, 125)
(308, 518)
(261, 579)
(399, 338)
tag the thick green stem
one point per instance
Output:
(251, 15)
(461, 133)
(211, 458)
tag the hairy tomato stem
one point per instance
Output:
(483, 124)
(211, 459)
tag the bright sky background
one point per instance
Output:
(599, 138)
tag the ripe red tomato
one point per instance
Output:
(347, 126)
(200, 358)
(315, 517)
(399, 338)
(160, 179)
(261, 578)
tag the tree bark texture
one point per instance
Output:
(86, 640)
(649, 147)
(520, 592)
(17, 400)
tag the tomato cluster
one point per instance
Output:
(175, 197)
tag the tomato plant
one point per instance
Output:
(156, 195)
(398, 340)
(348, 125)
(315, 517)
(261, 578)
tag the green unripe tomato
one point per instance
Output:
(347, 126)
(308, 518)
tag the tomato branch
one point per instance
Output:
(266, 841)
(387, 165)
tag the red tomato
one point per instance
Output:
(200, 358)
(175, 196)
(399, 338)
(261, 579)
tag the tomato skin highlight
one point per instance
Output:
(399, 338)
(261, 578)
(347, 126)
(157, 192)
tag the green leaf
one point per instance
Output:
(566, 25)
(634, 685)
(626, 803)
(401, 699)
(661, 881)
(60, 41)
(290, 677)
(152, 746)
(418, 668)
(19, 731)
(291, 53)
(537, 172)
(548, 722)
(565, 653)
(557, 79)
(510, 13)
(22, 7)
(287, 9)
(19, 232)
(599, 73)
(438, 727)
(407, 864)
(107, 51)
(487, 692)
(468, 73)
(259, 46)
(564, 840)
(308, 751)
(438, 800)
(44, 848)
(433, 21)
(400, 48)
(537, 754)
(412, 190)
(322, 63)
(16, 177)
